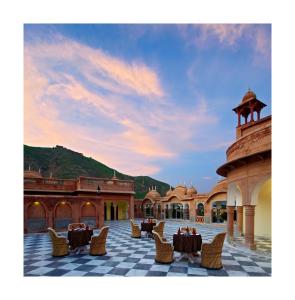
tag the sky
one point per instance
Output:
(147, 99)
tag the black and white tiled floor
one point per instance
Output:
(135, 257)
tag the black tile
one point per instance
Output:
(233, 268)
(81, 261)
(29, 268)
(56, 264)
(93, 274)
(56, 272)
(118, 271)
(131, 259)
(111, 263)
(247, 263)
(258, 274)
(220, 272)
(30, 262)
(142, 266)
(85, 268)
(156, 273)
(178, 269)
(124, 254)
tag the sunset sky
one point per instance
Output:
(150, 100)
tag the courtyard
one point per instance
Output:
(128, 256)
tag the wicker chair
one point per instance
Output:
(136, 233)
(159, 228)
(98, 242)
(183, 229)
(73, 226)
(211, 253)
(60, 245)
(164, 250)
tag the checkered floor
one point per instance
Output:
(135, 257)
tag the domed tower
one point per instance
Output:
(249, 105)
(191, 191)
(180, 190)
(169, 192)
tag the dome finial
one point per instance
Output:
(29, 167)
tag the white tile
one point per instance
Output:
(161, 268)
(41, 263)
(135, 255)
(126, 265)
(146, 261)
(75, 273)
(117, 258)
(253, 269)
(263, 264)
(40, 271)
(197, 271)
(175, 274)
(70, 266)
(95, 263)
(242, 258)
(134, 272)
(101, 269)
(229, 262)
(236, 273)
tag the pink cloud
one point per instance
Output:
(143, 135)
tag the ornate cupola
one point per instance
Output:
(248, 106)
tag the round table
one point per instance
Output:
(148, 227)
(78, 238)
(187, 245)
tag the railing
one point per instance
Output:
(105, 184)
(50, 184)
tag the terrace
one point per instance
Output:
(128, 256)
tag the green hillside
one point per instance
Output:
(65, 163)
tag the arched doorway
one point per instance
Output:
(261, 198)
(36, 217)
(177, 211)
(88, 214)
(63, 215)
(148, 208)
(219, 213)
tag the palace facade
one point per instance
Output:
(185, 203)
(51, 202)
(248, 173)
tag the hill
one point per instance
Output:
(65, 163)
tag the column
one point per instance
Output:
(115, 211)
(240, 220)
(230, 223)
(249, 228)
(101, 214)
(131, 204)
(251, 111)
(239, 118)
(76, 211)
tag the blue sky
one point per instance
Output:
(144, 99)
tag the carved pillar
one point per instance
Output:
(249, 226)
(101, 214)
(115, 211)
(239, 118)
(131, 205)
(230, 223)
(240, 220)
(76, 210)
(251, 111)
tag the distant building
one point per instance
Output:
(185, 203)
(51, 202)
(248, 173)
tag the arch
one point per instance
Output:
(88, 214)
(36, 216)
(200, 209)
(234, 195)
(262, 200)
(179, 198)
(62, 215)
(256, 189)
